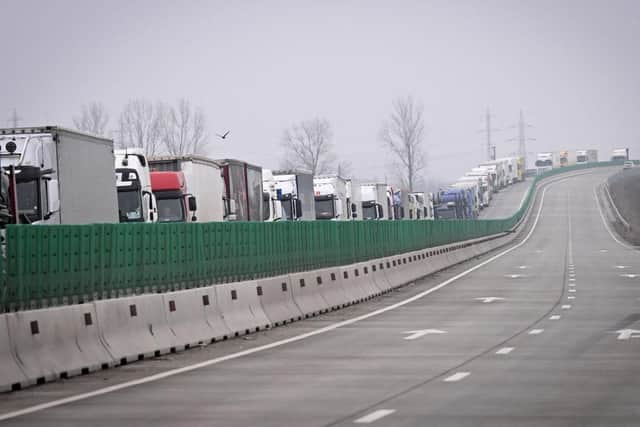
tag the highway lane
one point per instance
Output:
(573, 365)
(507, 201)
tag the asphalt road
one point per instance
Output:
(545, 352)
(507, 201)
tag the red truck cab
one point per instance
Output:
(175, 204)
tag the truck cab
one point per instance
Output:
(175, 204)
(451, 204)
(620, 155)
(294, 190)
(136, 202)
(373, 201)
(331, 198)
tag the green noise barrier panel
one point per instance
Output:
(65, 264)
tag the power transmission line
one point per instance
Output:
(489, 146)
(522, 137)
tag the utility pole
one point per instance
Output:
(14, 119)
(490, 148)
(522, 137)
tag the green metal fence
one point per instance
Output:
(63, 264)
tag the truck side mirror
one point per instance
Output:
(298, 208)
(192, 204)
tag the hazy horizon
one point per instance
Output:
(256, 68)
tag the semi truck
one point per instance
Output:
(243, 195)
(497, 167)
(294, 190)
(58, 176)
(136, 202)
(451, 204)
(483, 192)
(331, 197)
(374, 201)
(271, 206)
(400, 203)
(563, 158)
(175, 203)
(354, 199)
(203, 178)
(620, 155)
(586, 156)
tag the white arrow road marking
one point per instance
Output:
(630, 276)
(566, 307)
(489, 300)
(514, 276)
(374, 416)
(536, 331)
(571, 297)
(555, 317)
(625, 334)
(457, 377)
(422, 332)
(505, 350)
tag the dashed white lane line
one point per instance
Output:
(571, 285)
(374, 416)
(536, 331)
(505, 350)
(571, 297)
(572, 290)
(572, 279)
(566, 307)
(555, 317)
(457, 377)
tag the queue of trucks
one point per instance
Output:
(46, 170)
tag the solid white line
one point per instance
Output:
(505, 350)
(374, 416)
(536, 331)
(555, 317)
(217, 360)
(457, 377)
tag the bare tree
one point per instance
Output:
(183, 129)
(403, 135)
(141, 126)
(92, 119)
(344, 168)
(308, 146)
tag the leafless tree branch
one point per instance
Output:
(92, 119)
(308, 146)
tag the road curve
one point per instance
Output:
(542, 335)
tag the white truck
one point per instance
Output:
(294, 190)
(510, 166)
(203, 179)
(331, 197)
(475, 191)
(136, 202)
(59, 176)
(586, 156)
(419, 205)
(497, 169)
(483, 192)
(271, 206)
(620, 155)
(544, 162)
(374, 201)
(354, 199)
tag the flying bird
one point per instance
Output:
(223, 136)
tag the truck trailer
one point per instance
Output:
(58, 176)
(243, 195)
(620, 155)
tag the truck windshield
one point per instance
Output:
(129, 206)
(581, 159)
(171, 210)
(325, 209)
(29, 200)
(369, 212)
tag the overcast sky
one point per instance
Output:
(257, 67)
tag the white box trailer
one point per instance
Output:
(203, 180)
(586, 156)
(60, 176)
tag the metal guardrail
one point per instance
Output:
(66, 264)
